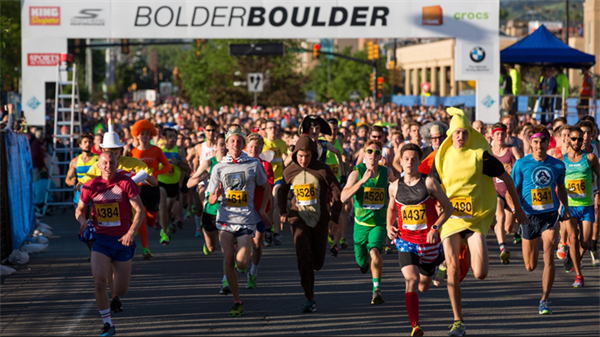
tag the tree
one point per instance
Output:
(10, 41)
(208, 74)
(346, 76)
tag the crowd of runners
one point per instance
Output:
(425, 182)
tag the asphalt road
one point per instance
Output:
(176, 293)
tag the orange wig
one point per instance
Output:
(143, 125)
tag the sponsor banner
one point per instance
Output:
(44, 16)
(265, 19)
(474, 59)
(43, 59)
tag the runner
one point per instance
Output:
(112, 196)
(209, 217)
(332, 161)
(313, 126)
(254, 147)
(470, 188)
(131, 167)
(309, 211)
(169, 181)
(80, 165)
(580, 166)
(152, 155)
(280, 151)
(417, 234)
(367, 186)
(236, 177)
(204, 151)
(539, 179)
(589, 131)
(507, 155)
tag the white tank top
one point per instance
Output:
(207, 152)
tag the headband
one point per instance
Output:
(497, 129)
(538, 135)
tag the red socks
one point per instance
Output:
(412, 307)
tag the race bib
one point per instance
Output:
(414, 217)
(238, 199)
(463, 207)
(335, 168)
(541, 199)
(108, 215)
(306, 194)
(373, 198)
(576, 188)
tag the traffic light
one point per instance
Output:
(392, 72)
(316, 51)
(371, 82)
(375, 52)
(125, 46)
(145, 71)
(380, 84)
(370, 55)
(175, 72)
(198, 45)
(77, 42)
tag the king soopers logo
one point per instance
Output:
(477, 54)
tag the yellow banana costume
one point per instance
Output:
(472, 193)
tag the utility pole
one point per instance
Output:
(89, 76)
(567, 23)
(374, 80)
(394, 70)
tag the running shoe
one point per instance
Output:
(276, 239)
(457, 329)
(545, 308)
(268, 238)
(517, 238)
(251, 284)
(561, 251)
(377, 298)
(440, 275)
(387, 249)
(578, 281)
(193, 209)
(165, 240)
(568, 263)
(310, 306)
(198, 233)
(205, 250)
(330, 239)
(180, 224)
(157, 226)
(238, 310)
(343, 243)
(146, 253)
(334, 251)
(417, 331)
(173, 227)
(115, 305)
(225, 290)
(504, 256)
(108, 330)
(365, 269)
(595, 260)
(187, 215)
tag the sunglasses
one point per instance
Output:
(576, 139)
(209, 130)
(371, 151)
(375, 137)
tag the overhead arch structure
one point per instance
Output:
(47, 24)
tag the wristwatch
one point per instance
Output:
(435, 228)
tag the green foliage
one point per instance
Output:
(208, 77)
(10, 43)
(346, 76)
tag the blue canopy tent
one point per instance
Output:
(541, 48)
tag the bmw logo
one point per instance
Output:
(477, 54)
